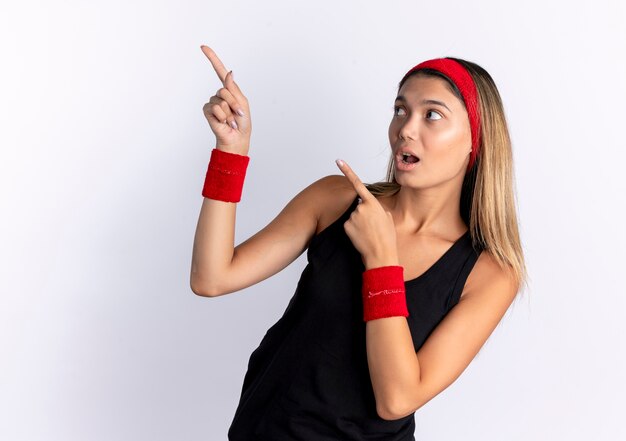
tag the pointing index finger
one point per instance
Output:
(216, 62)
(360, 188)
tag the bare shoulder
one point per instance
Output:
(332, 196)
(488, 278)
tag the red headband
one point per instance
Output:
(464, 82)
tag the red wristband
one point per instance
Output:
(225, 176)
(383, 292)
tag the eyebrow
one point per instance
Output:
(438, 103)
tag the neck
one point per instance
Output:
(433, 211)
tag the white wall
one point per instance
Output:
(103, 150)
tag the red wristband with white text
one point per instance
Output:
(225, 175)
(384, 294)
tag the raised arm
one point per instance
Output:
(218, 267)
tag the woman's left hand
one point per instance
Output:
(370, 227)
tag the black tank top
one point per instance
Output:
(309, 378)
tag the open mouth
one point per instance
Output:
(407, 158)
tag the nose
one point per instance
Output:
(409, 128)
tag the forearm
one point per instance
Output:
(393, 365)
(213, 245)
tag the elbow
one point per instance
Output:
(199, 290)
(203, 289)
(394, 411)
(388, 414)
(392, 415)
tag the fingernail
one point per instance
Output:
(339, 161)
(231, 75)
(233, 124)
(240, 112)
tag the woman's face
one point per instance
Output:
(432, 123)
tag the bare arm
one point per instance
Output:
(228, 114)
(403, 380)
(220, 268)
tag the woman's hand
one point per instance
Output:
(228, 112)
(370, 227)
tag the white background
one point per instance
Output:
(104, 148)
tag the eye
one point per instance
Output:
(396, 108)
(434, 113)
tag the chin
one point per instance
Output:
(408, 181)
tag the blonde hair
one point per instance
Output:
(488, 204)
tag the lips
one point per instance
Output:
(403, 151)
(410, 158)
(404, 166)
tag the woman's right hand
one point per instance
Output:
(222, 110)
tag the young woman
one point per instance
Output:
(406, 279)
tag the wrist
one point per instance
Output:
(225, 176)
(243, 151)
(380, 261)
(384, 293)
